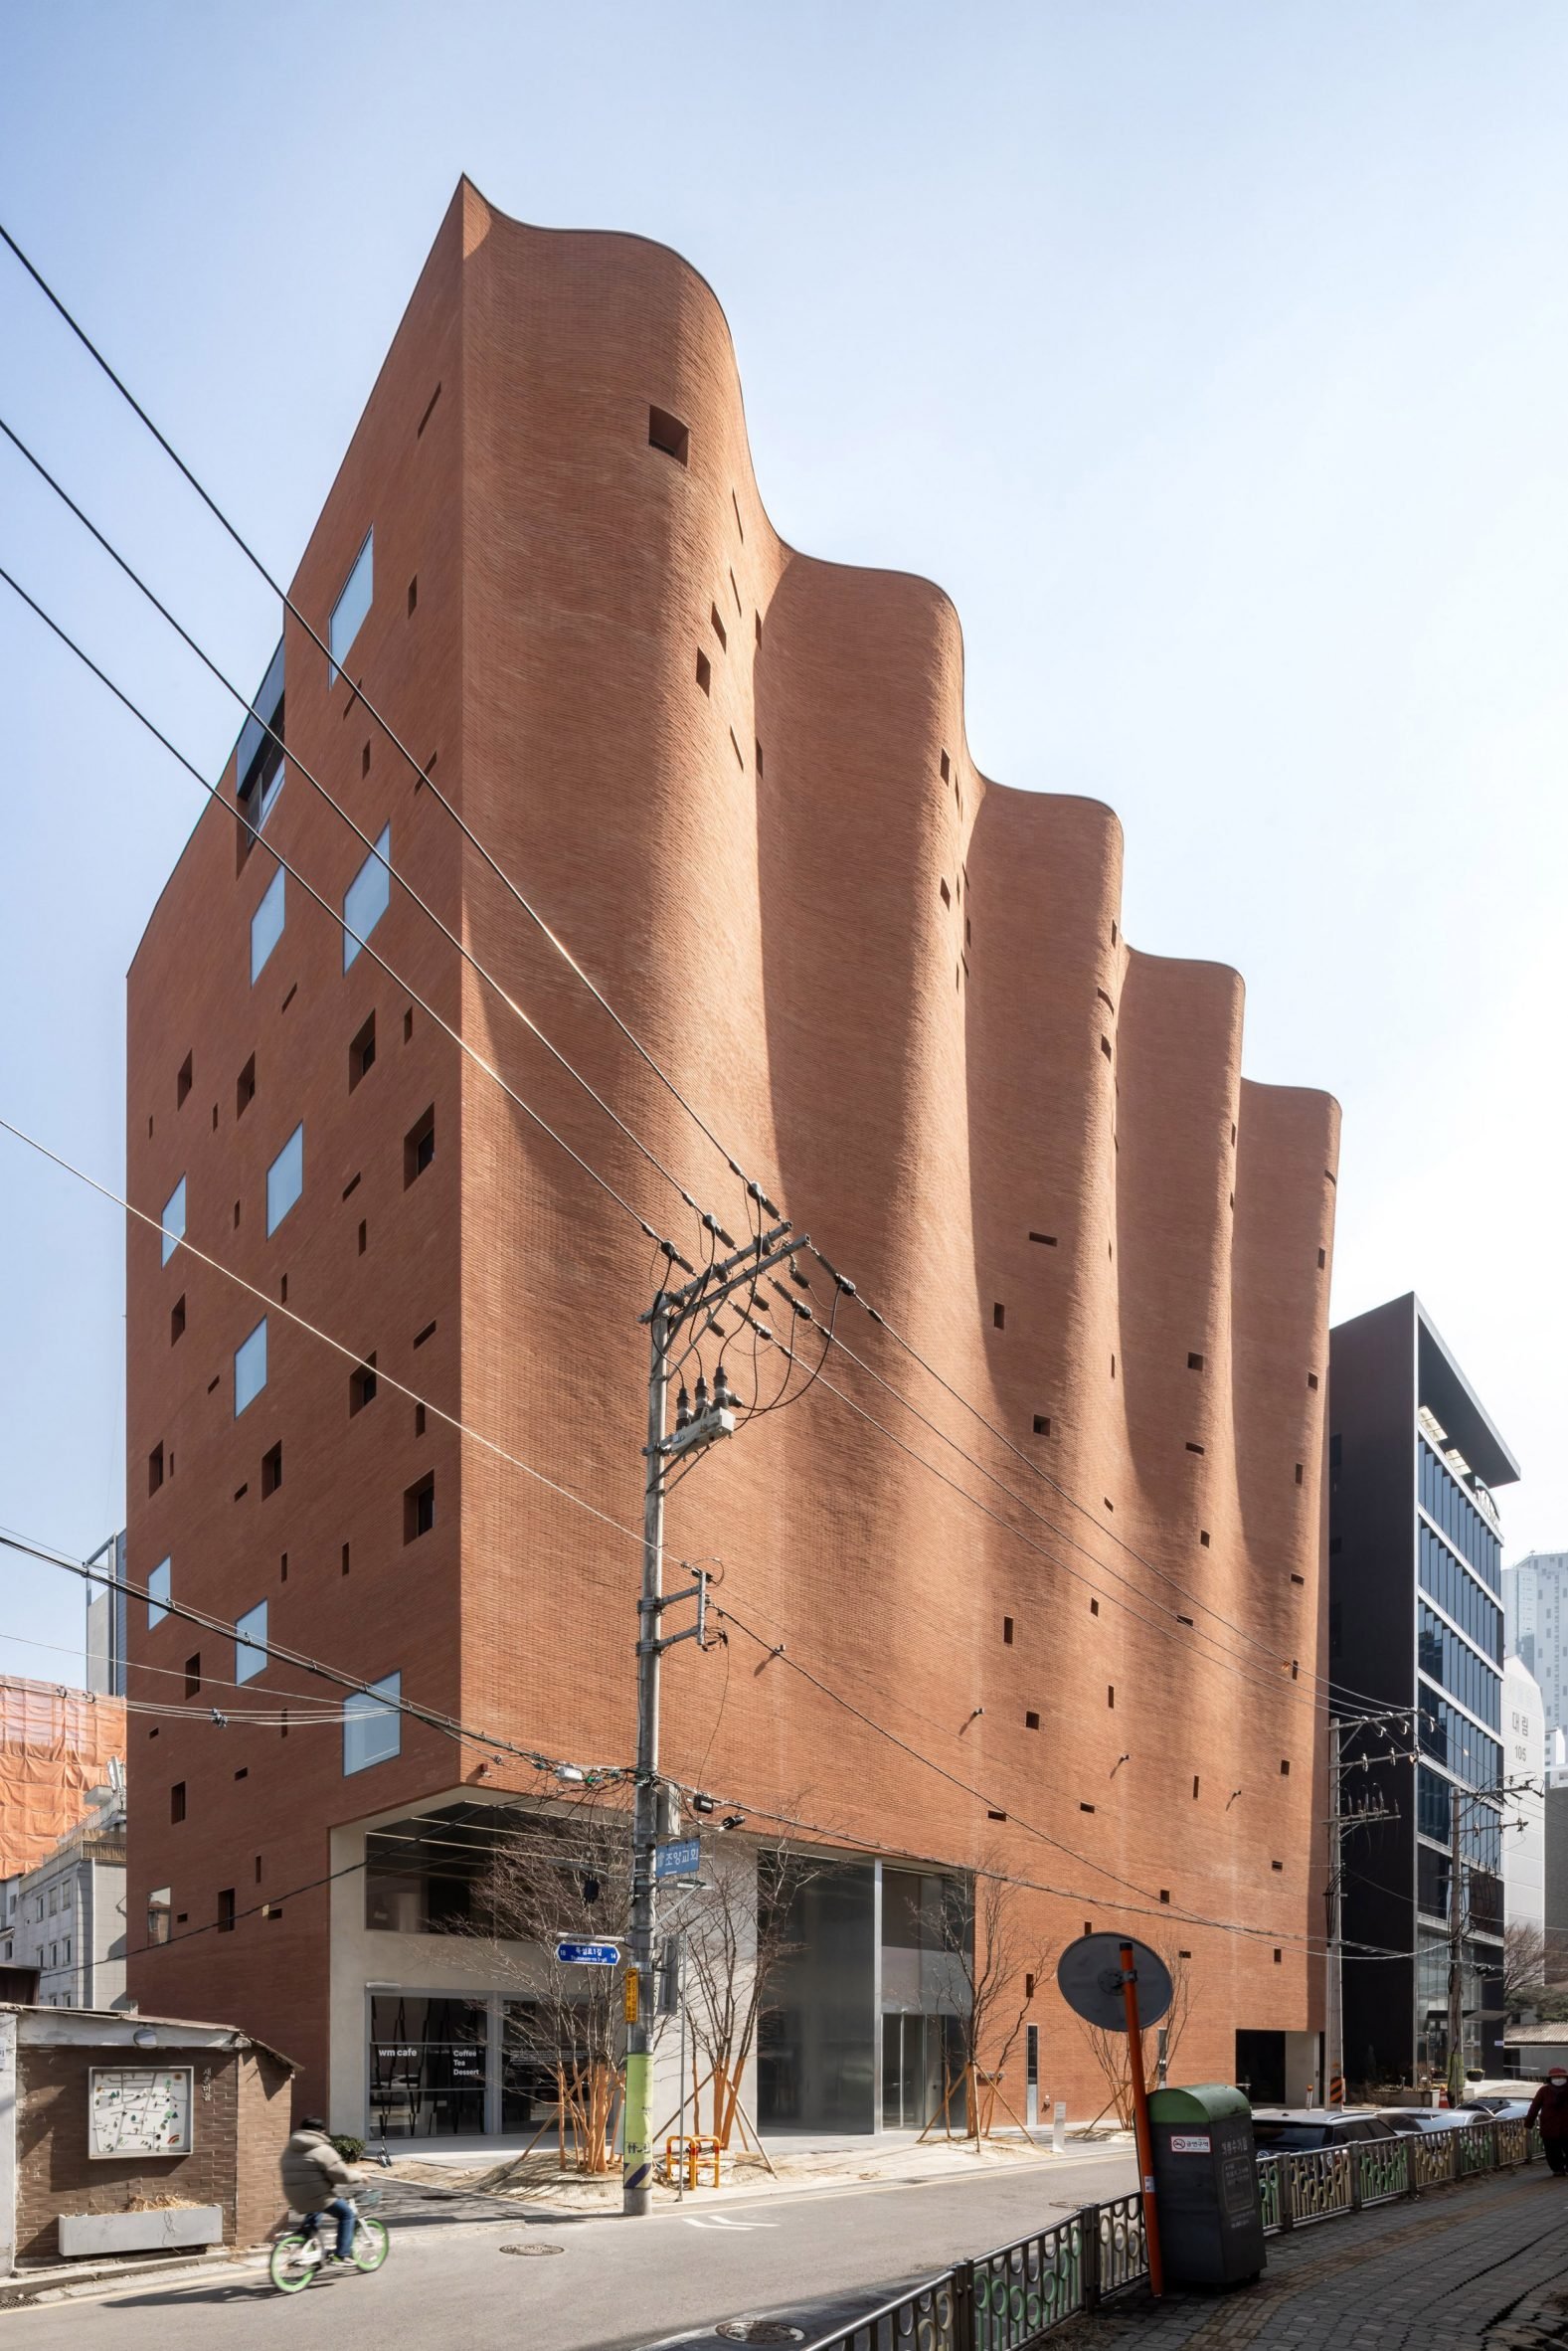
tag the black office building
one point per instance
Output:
(1415, 1621)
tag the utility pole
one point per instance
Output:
(714, 1417)
(1343, 1817)
(1456, 2064)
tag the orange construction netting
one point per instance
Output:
(54, 1744)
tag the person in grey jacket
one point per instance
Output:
(314, 2176)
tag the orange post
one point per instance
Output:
(1140, 2130)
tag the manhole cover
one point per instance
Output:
(533, 2251)
(758, 2330)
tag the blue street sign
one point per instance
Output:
(588, 1954)
(679, 1859)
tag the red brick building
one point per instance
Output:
(735, 782)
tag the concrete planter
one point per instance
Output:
(89, 2234)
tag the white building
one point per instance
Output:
(1536, 1618)
(1524, 1830)
(65, 1916)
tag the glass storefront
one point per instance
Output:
(427, 2064)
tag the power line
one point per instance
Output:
(310, 891)
(395, 873)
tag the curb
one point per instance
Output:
(31, 2285)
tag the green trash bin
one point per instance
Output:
(1206, 2181)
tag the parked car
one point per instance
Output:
(1304, 2130)
(1426, 2118)
(1492, 2106)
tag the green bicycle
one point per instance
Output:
(299, 2257)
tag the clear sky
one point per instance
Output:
(1213, 356)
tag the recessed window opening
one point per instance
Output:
(366, 897)
(1047, 1241)
(1196, 1785)
(1007, 1631)
(271, 1469)
(705, 673)
(1164, 1894)
(757, 750)
(249, 1649)
(348, 613)
(1311, 1379)
(429, 1332)
(419, 1420)
(1042, 1425)
(1284, 1768)
(1031, 1722)
(758, 631)
(1203, 1536)
(430, 409)
(735, 592)
(1093, 1607)
(363, 1235)
(1322, 1259)
(998, 1315)
(155, 1469)
(266, 924)
(739, 524)
(372, 1724)
(740, 756)
(1192, 1448)
(177, 1801)
(671, 435)
(250, 1367)
(407, 1025)
(1298, 1579)
(1194, 1362)
(1274, 1865)
(1105, 1047)
(413, 595)
(173, 1220)
(226, 1911)
(1086, 1808)
(177, 1319)
(947, 894)
(285, 1180)
(419, 1508)
(419, 1147)
(289, 998)
(1299, 1474)
(719, 629)
(345, 1558)
(352, 1185)
(158, 1593)
(361, 1052)
(1103, 999)
(193, 1676)
(1111, 1694)
(361, 1385)
(182, 1082)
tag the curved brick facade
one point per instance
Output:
(900, 992)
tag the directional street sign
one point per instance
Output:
(588, 1954)
(682, 1859)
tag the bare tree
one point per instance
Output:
(993, 1957)
(1109, 2048)
(739, 1930)
(562, 1875)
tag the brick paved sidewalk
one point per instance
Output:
(1482, 2264)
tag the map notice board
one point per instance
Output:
(139, 2111)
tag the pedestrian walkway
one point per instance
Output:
(1481, 2265)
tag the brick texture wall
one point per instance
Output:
(240, 2120)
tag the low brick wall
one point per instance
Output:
(239, 2119)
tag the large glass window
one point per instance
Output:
(372, 1724)
(1445, 1502)
(249, 1649)
(816, 2062)
(426, 2066)
(250, 1367)
(285, 1180)
(173, 1220)
(366, 899)
(1459, 1593)
(266, 924)
(158, 1593)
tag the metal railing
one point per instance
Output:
(1015, 2297)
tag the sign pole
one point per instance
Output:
(1140, 2129)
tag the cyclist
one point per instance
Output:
(314, 2174)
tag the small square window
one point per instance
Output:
(1042, 1425)
(1194, 1362)
(419, 1508)
(671, 434)
(419, 1147)
(1031, 1722)
(245, 1088)
(272, 1470)
(361, 1052)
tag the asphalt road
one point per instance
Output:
(607, 2285)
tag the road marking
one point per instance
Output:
(719, 2220)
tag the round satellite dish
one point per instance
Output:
(1089, 1978)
